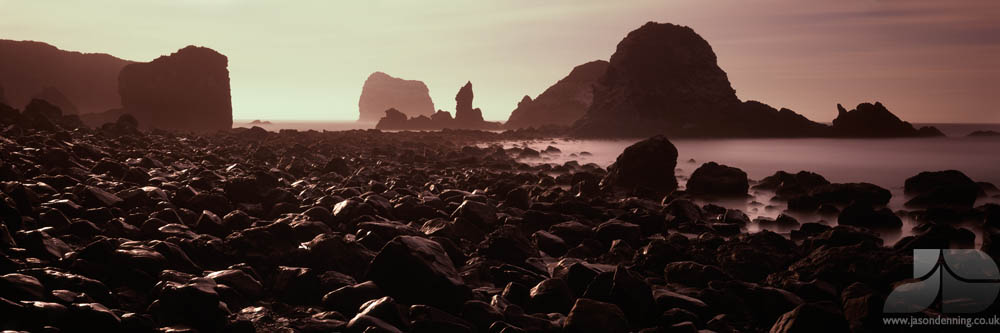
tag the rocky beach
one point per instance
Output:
(113, 229)
(638, 193)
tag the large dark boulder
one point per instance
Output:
(186, 91)
(712, 179)
(381, 92)
(942, 189)
(787, 185)
(30, 69)
(840, 195)
(416, 270)
(588, 315)
(812, 317)
(875, 120)
(645, 165)
(562, 103)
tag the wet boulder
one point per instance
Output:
(863, 215)
(431, 277)
(589, 315)
(812, 317)
(942, 189)
(647, 165)
(716, 180)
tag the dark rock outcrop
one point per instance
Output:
(712, 179)
(562, 103)
(973, 134)
(875, 120)
(647, 165)
(664, 79)
(382, 91)
(186, 91)
(90, 80)
(466, 117)
(942, 189)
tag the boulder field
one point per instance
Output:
(114, 229)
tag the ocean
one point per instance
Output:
(883, 162)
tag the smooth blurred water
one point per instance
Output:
(884, 162)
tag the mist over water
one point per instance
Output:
(884, 162)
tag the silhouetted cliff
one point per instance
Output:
(562, 103)
(187, 90)
(664, 79)
(382, 92)
(88, 80)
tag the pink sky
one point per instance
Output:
(928, 61)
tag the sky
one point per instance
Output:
(927, 61)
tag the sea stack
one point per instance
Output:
(29, 69)
(185, 91)
(562, 103)
(465, 115)
(662, 78)
(382, 92)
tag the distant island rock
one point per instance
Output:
(874, 120)
(86, 81)
(984, 133)
(665, 79)
(259, 122)
(185, 91)
(466, 117)
(561, 104)
(381, 92)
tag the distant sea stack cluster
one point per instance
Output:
(662, 79)
(185, 91)
(466, 117)
(382, 92)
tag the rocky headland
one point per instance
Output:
(87, 81)
(382, 92)
(561, 104)
(664, 79)
(120, 230)
(187, 90)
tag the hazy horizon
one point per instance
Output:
(927, 61)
